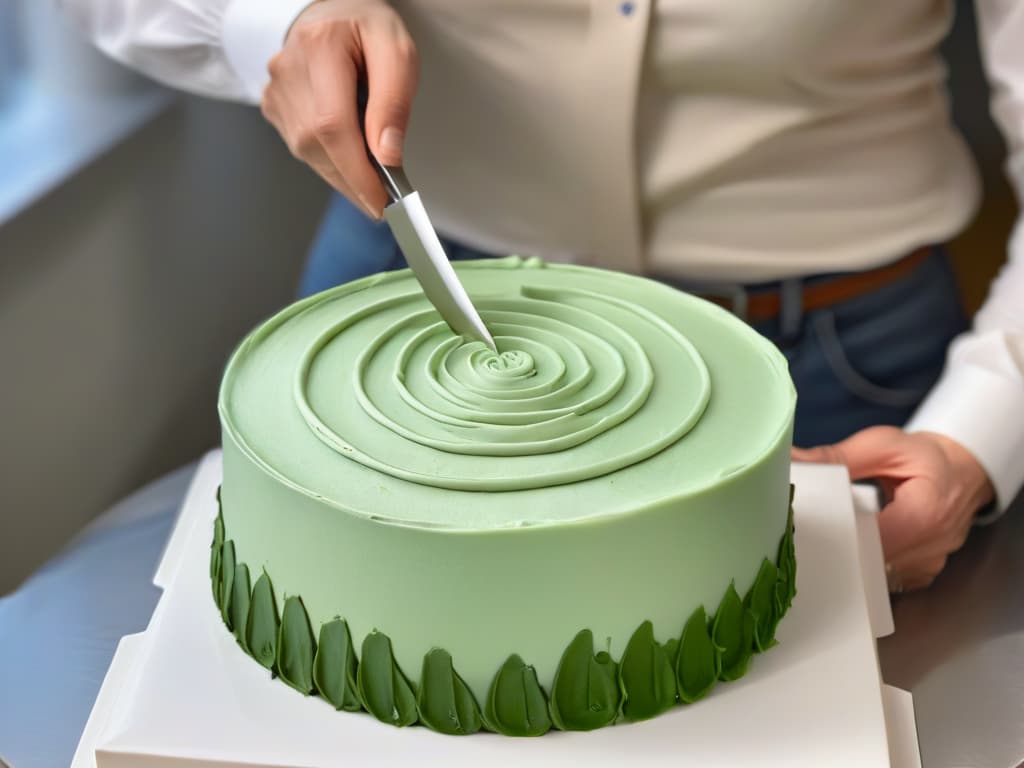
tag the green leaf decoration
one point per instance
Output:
(444, 701)
(262, 625)
(779, 595)
(516, 704)
(698, 665)
(672, 650)
(334, 668)
(589, 690)
(585, 693)
(216, 545)
(218, 525)
(605, 660)
(786, 561)
(761, 604)
(240, 604)
(296, 647)
(733, 634)
(646, 676)
(227, 578)
(215, 555)
(218, 522)
(385, 692)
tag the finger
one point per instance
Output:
(888, 486)
(287, 101)
(919, 581)
(271, 112)
(916, 575)
(319, 162)
(930, 549)
(872, 452)
(270, 99)
(910, 520)
(289, 105)
(332, 78)
(392, 72)
(820, 454)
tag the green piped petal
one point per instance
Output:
(585, 693)
(385, 692)
(334, 668)
(263, 625)
(516, 704)
(698, 665)
(646, 676)
(218, 522)
(240, 604)
(296, 647)
(215, 549)
(227, 579)
(215, 555)
(786, 562)
(672, 650)
(779, 595)
(761, 604)
(444, 701)
(733, 634)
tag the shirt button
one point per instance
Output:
(626, 8)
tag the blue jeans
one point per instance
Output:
(872, 359)
(863, 362)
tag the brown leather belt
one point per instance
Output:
(818, 293)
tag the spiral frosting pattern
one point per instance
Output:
(584, 383)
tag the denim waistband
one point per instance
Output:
(789, 323)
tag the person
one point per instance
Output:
(794, 161)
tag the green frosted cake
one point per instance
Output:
(591, 526)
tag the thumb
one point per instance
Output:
(819, 454)
(872, 452)
(392, 72)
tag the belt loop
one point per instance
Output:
(738, 295)
(791, 307)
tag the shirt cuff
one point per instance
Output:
(984, 412)
(252, 31)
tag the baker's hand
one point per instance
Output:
(312, 95)
(934, 487)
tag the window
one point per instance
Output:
(62, 103)
(9, 52)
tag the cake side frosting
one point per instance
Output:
(589, 689)
(623, 460)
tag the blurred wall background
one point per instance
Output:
(123, 292)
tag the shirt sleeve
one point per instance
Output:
(217, 48)
(979, 400)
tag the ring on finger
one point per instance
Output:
(895, 584)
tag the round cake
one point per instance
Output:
(592, 524)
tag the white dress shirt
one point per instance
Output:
(743, 141)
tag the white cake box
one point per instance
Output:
(183, 694)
